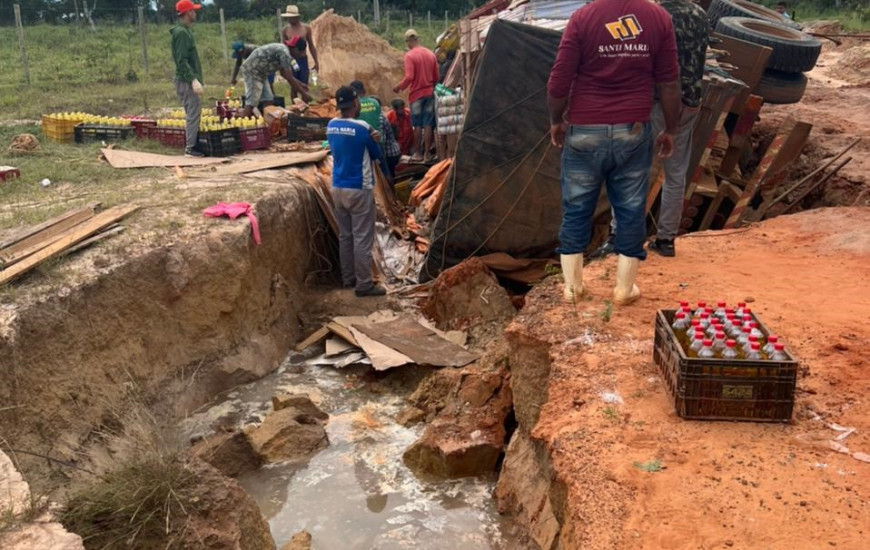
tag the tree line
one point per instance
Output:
(121, 11)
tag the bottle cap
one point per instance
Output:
(779, 347)
(708, 342)
(702, 304)
(704, 315)
(699, 336)
(720, 335)
(746, 330)
(722, 304)
(773, 338)
(696, 322)
(709, 309)
(756, 346)
(730, 343)
(683, 303)
(741, 304)
(753, 324)
(747, 311)
(753, 338)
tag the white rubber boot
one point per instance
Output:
(626, 291)
(572, 269)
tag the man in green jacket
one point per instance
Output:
(188, 72)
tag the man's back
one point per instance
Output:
(353, 149)
(370, 111)
(693, 35)
(268, 59)
(611, 56)
(422, 66)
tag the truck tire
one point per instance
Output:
(781, 88)
(743, 8)
(793, 51)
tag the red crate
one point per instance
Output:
(170, 137)
(141, 126)
(255, 138)
(8, 173)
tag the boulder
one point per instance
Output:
(299, 402)
(288, 435)
(300, 541)
(231, 453)
(410, 416)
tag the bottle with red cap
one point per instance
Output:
(770, 346)
(706, 351)
(743, 339)
(730, 351)
(720, 310)
(755, 331)
(755, 352)
(778, 353)
(696, 345)
(702, 307)
(752, 340)
(719, 342)
(740, 307)
(705, 320)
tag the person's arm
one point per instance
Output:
(309, 37)
(285, 35)
(181, 45)
(373, 148)
(561, 77)
(409, 75)
(235, 77)
(299, 87)
(667, 76)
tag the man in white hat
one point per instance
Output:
(295, 27)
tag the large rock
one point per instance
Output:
(300, 541)
(230, 452)
(16, 505)
(300, 402)
(288, 435)
(468, 433)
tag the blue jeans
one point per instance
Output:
(423, 113)
(618, 156)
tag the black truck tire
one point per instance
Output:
(781, 88)
(744, 8)
(793, 51)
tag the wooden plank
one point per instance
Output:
(741, 133)
(750, 60)
(316, 337)
(109, 232)
(70, 238)
(342, 331)
(18, 252)
(760, 173)
(30, 235)
(790, 152)
(421, 344)
(726, 190)
(264, 162)
(713, 135)
(383, 357)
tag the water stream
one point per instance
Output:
(357, 493)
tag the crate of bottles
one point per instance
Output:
(219, 143)
(61, 127)
(258, 137)
(169, 137)
(300, 128)
(88, 133)
(747, 375)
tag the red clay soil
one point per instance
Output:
(724, 484)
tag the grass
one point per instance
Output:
(610, 413)
(607, 312)
(650, 466)
(852, 19)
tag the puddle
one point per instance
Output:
(357, 493)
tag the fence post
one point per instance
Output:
(446, 21)
(144, 41)
(429, 19)
(377, 7)
(21, 45)
(280, 25)
(388, 22)
(410, 20)
(224, 41)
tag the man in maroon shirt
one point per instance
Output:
(421, 75)
(613, 54)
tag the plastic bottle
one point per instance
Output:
(694, 326)
(770, 346)
(683, 304)
(714, 327)
(740, 307)
(680, 323)
(743, 339)
(719, 342)
(753, 340)
(702, 307)
(705, 320)
(753, 327)
(779, 353)
(755, 352)
(720, 310)
(706, 351)
(730, 351)
(697, 344)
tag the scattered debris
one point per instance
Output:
(650, 466)
(23, 144)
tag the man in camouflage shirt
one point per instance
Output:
(693, 34)
(255, 73)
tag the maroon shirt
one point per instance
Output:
(611, 56)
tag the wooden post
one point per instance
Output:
(280, 25)
(21, 45)
(144, 41)
(388, 22)
(78, 14)
(410, 20)
(446, 20)
(377, 13)
(359, 16)
(429, 19)
(224, 41)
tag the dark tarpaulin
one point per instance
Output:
(503, 194)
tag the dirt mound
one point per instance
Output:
(854, 65)
(348, 51)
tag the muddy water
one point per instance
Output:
(357, 494)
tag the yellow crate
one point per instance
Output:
(61, 131)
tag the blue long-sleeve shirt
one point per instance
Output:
(353, 150)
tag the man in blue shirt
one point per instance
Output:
(354, 146)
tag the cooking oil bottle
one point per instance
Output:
(770, 346)
(730, 351)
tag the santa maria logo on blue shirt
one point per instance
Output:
(626, 27)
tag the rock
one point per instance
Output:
(223, 515)
(288, 434)
(410, 416)
(467, 435)
(299, 402)
(39, 536)
(300, 541)
(468, 295)
(231, 453)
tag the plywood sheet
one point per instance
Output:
(135, 159)
(267, 161)
(421, 344)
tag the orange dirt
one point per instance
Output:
(738, 485)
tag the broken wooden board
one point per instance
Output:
(30, 235)
(421, 344)
(342, 331)
(316, 337)
(109, 232)
(338, 346)
(49, 234)
(135, 159)
(750, 60)
(740, 135)
(382, 356)
(71, 238)
(267, 161)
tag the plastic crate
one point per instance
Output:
(255, 138)
(85, 133)
(141, 125)
(61, 131)
(221, 143)
(277, 101)
(301, 128)
(724, 389)
(170, 137)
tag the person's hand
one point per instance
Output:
(664, 145)
(233, 82)
(557, 134)
(315, 66)
(396, 90)
(197, 87)
(376, 136)
(306, 97)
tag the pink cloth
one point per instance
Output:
(233, 211)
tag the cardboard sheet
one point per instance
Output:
(422, 345)
(135, 159)
(266, 161)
